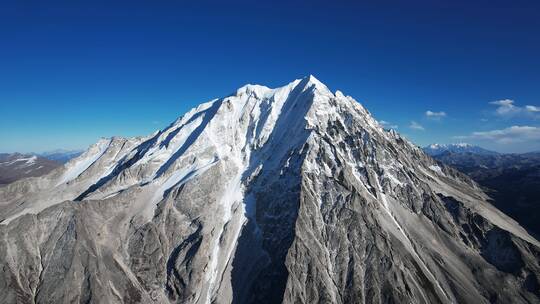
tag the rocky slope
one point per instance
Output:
(512, 180)
(292, 195)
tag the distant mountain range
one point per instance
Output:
(437, 149)
(14, 166)
(61, 155)
(512, 180)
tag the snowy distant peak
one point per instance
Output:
(16, 166)
(60, 156)
(446, 146)
(437, 149)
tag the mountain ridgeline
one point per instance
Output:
(286, 195)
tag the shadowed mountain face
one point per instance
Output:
(287, 195)
(15, 166)
(512, 180)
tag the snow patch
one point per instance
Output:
(436, 169)
(178, 177)
(79, 165)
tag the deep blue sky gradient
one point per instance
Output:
(74, 71)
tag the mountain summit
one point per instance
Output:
(293, 195)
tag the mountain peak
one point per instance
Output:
(312, 81)
(305, 83)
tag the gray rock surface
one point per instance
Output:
(511, 180)
(292, 195)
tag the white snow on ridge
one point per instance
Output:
(80, 164)
(162, 152)
(28, 161)
(436, 168)
(179, 176)
(393, 178)
(31, 160)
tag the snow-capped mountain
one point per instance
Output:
(437, 149)
(293, 195)
(14, 166)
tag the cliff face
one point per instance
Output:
(292, 195)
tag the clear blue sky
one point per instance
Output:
(74, 71)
